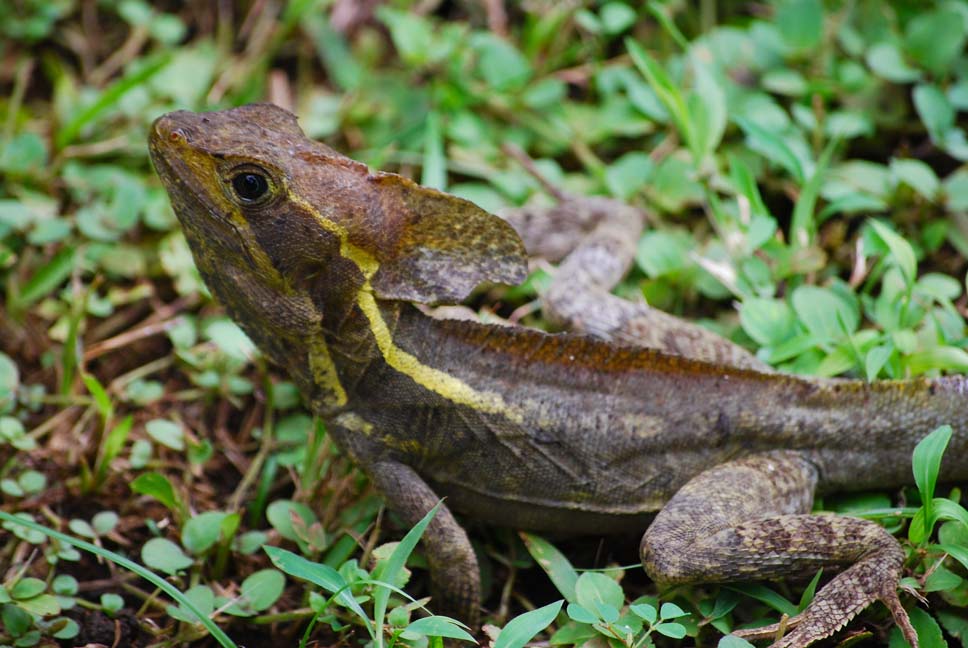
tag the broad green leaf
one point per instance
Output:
(935, 111)
(168, 433)
(595, 587)
(926, 463)
(260, 590)
(825, 313)
(554, 563)
(936, 38)
(157, 485)
(771, 146)
(887, 62)
(164, 555)
(800, 23)
(917, 175)
(440, 626)
(768, 321)
(928, 630)
(45, 280)
(521, 629)
(202, 531)
(322, 575)
(581, 614)
(673, 630)
(434, 161)
(901, 251)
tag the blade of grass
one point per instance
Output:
(393, 567)
(109, 98)
(130, 565)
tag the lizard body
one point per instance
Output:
(320, 261)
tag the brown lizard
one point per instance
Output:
(322, 261)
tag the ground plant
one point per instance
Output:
(805, 167)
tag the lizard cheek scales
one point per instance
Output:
(319, 260)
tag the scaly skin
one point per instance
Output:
(564, 433)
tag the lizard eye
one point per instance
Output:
(250, 186)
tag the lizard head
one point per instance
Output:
(248, 186)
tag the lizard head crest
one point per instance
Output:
(251, 174)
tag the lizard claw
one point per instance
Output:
(836, 604)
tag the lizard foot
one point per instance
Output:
(873, 578)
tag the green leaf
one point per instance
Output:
(901, 251)
(157, 485)
(580, 614)
(645, 611)
(434, 172)
(771, 146)
(394, 565)
(15, 620)
(26, 588)
(936, 38)
(108, 99)
(440, 626)
(554, 563)
(671, 611)
(45, 280)
(917, 175)
(111, 447)
(23, 153)
(926, 463)
(875, 360)
(707, 110)
(521, 629)
(111, 603)
(827, 314)
(628, 174)
(768, 321)
(9, 381)
(164, 555)
(280, 515)
(732, 641)
(322, 575)
(766, 595)
(800, 23)
(947, 358)
(928, 630)
(668, 93)
(259, 591)
(500, 63)
(673, 630)
(662, 252)
(168, 433)
(202, 597)
(886, 61)
(229, 338)
(202, 531)
(594, 587)
(935, 111)
(101, 398)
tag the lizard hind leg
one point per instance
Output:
(748, 519)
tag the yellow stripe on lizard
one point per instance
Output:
(435, 380)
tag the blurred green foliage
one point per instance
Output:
(803, 160)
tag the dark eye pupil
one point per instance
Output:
(250, 186)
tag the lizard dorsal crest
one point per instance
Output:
(440, 246)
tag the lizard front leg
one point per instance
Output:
(748, 519)
(455, 579)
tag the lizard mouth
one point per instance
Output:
(169, 146)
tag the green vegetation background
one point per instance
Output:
(804, 162)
